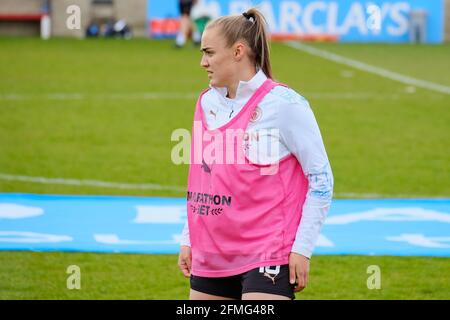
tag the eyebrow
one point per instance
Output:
(205, 49)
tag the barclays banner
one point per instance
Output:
(344, 20)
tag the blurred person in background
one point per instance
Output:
(186, 25)
(107, 29)
(92, 30)
(122, 29)
(250, 235)
(201, 14)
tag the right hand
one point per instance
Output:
(184, 260)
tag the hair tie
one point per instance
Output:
(248, 16)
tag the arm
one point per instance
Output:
(185, 241)
(315, 210)
(185, 257)
(300, 133)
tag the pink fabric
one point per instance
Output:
(238, 218)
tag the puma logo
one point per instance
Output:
(205, 167)
(269, 271)
(271, 278)
(213, 113)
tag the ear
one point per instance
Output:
(239, 51)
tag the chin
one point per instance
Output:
(215, 83)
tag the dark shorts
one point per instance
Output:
(273, 280)
(185, 7)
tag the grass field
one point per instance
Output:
(40, 275)
(104, 110)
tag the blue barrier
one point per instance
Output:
(348, 20)
(411, 227)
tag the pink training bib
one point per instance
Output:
(240, 219)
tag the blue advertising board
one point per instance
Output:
(400, 227)
(346, 20)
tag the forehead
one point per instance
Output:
(211, 38)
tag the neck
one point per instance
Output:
(245, 75)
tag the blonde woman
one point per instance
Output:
(250, 231)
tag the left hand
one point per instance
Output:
(298, 271)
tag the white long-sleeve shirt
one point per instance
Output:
(285, 120)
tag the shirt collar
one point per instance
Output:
(245, 89)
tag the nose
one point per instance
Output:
(204, 62)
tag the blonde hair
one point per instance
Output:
(251, 26)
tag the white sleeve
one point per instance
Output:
(300, 134)
(185, 241)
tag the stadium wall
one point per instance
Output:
(20, 17)
(59, 17)
(133, 11)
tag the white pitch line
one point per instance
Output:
(370, 68)
(151, 186)
(90, 183)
